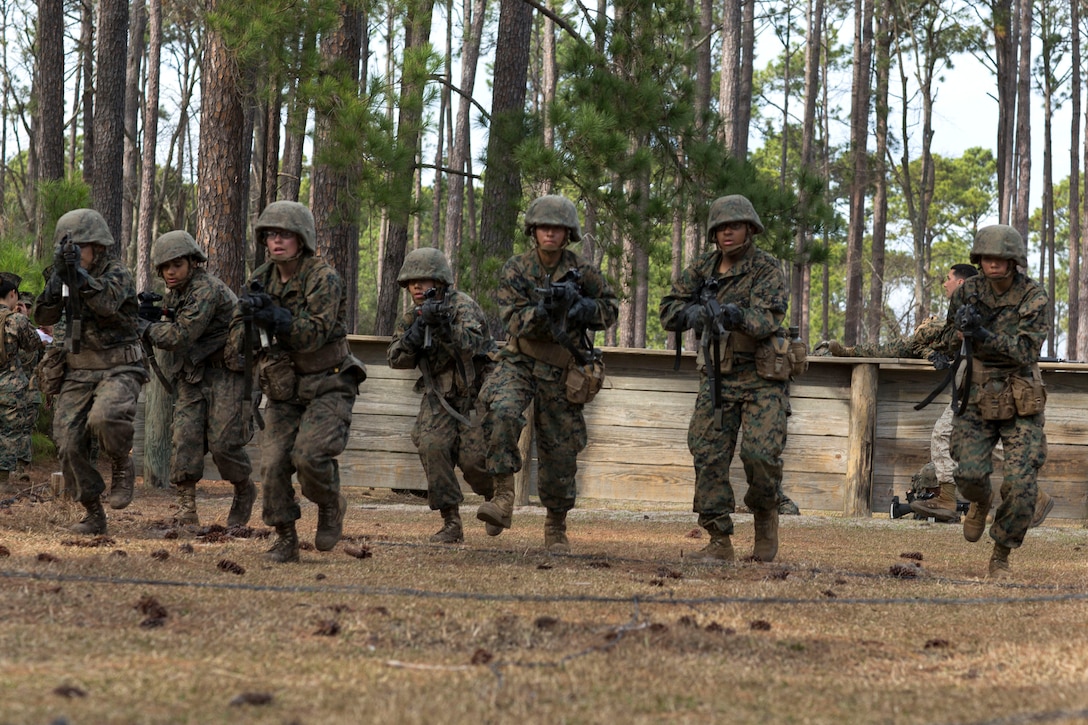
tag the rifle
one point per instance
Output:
(713, 333)
(149, 350)
(73, 307)
(967, 320)
(555, 302)
(424, 361)
(247, 357)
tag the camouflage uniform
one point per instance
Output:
(1015, 324)
(103, 381)
(458, 349)
(208, 413)
(19, 354)
(31, 398)
(756, 285)
(520, 378)
(308, 428)
(921, 344)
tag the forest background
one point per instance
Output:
(413, 122)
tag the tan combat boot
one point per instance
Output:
(1043, 504)
(186, 515)
(330, 523)
(94, 522)
(285, 547)
(974, 523)
(766, 525)
(555, 532)
(241, 508)
(451, 532)
(941, 507)
(999, 562)
(499, 511)
(122, 482)
(720, 548)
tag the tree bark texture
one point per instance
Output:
(109, 114)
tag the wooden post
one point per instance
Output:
(158, 427)
(523, 478)
(857, 493)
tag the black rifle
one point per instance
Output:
(251, 407)
(424, 361)
(967, 320)
(714, 333)
(149, 350)
(73, 307)
(555, 302)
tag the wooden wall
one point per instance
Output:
(854, 438)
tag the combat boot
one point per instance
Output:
(999, 562)
(974, 523)
(1043, 504)
(285, 548)
(941, 507)
(94, 521)
(555, 532)
(122, 482)
(186, 514)
(21, 474)
(786, 507)
(330, 523)
(451, 532)
(766, 525)
(720, 548)
(241, 508)
(499, 511)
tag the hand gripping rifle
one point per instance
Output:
(424, 361)
(149, 349)
(251, 406)
(73, 306)
(967, 320)
(555, 302)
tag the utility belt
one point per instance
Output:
(278, 372)
(776, 357)
(322, 359)
(1002, 392)
(111, 357)
(582, 382)
(216, 360)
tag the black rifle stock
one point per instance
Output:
(149, 350)
(555, 301)
(73, 307)
(713, 333)
(250, 408)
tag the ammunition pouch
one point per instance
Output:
(325, 358)
(1003, 392)
(1029, 394)
(50, 370)
(583, 382)
(780, 359)
(276, 376)
(111, 357)
(995, 399)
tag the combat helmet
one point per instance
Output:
(83, 226)
(292, 216)
(553, 210)
(732, 208)
(425, 263)
(1001, 241)
(174, 245)
(926, 477)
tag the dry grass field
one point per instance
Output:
(867, 621)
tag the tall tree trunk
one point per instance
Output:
(859, 136)
(729, 91)
(337, 173)
(146, 228)
(1023, 124)
(747, 60)
(1005, 29)
(461, 149)
(50, 92)
(799, 296)
(290, 173)
(223, 163)
(1076, 284)
(502, 186)
(417, 31)
(130, 175)
(86, 45)
(884, 34)
(109, 113)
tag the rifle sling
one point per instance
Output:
(434, 394)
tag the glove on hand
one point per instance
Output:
(71, 255)
(413, 337)
(694, 318)
(274, 318)
(940, 360)
(149, 311)
(54, 288)
(431, 313)
(731, 316)
(583, 312)
(255, 301)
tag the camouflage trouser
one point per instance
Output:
(560, 427)
(208, 417)
(94, 404)
(11, 423)
(940, 448)
(973, 441)
(757, 405)
(305, 434)
(31, 402)
(442, 440)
